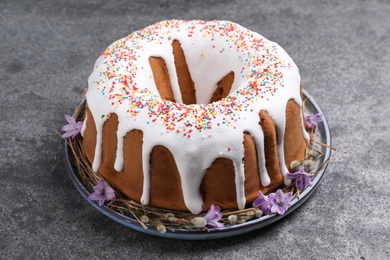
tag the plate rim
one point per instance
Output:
(212, 233)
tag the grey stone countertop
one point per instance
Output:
(48, 49)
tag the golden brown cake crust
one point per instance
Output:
(161, 78)
(223, 87)
(294, 143)
(165, 182)
(186, 84)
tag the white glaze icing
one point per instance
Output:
(84, 126)
(122, 82)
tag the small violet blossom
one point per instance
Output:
(102, 192)
(213, 216)
(274, 203)
(263, 202)
(302, 178)
(312, 120)
(280, 201)
(73, 128)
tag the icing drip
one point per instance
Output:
(196, 134)
(258, 136)
(84, 126)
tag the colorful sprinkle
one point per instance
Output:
(260, 67)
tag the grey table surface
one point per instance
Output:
(48, 49)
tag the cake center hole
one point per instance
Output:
(186, 84)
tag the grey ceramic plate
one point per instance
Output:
(311, 106)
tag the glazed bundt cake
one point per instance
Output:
(185, 114)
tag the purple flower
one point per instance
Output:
(313, 120)
(302, 178)
(280, 202)
(213, 215)
(275, 203)
(73, 128)
(263, 202)
(102, 192)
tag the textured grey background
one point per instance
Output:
(47, 51)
